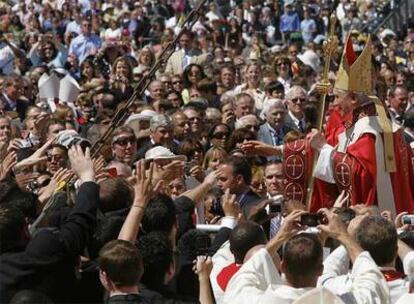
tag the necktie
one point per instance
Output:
(274, 225)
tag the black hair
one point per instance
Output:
(240, 167)
(379, 237)
(157, 256)
(12, 222)
(244, 237)
(159, 215)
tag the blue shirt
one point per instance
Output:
(290, 22)
(308, 27)
(82, 46)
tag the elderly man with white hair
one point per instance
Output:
(295, 99)
(273, 131)
(250, 122)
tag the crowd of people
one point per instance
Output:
(200, 194)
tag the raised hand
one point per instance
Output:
(254, 147)
(229, 204)
(203, 266)
(342, 200)
(81, 163)
(7, 165)
(60, 176)
(316, 139)
(37, 156)
(334, 227)
(144, 188)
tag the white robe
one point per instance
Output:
(336, 278)
(258, 281)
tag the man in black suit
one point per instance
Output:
(237, 176)
(9, 98)
(295, 118)
(46, 262)
(274, 130)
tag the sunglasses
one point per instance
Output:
(177, 82)
(54, 157)
(220, 135)
(282, 63)
(295, 100)
(125, 141)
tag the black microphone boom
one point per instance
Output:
(144, 82)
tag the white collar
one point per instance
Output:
(294, 118)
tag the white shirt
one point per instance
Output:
(337, 279)
(258, 281)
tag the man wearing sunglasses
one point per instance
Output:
(295, 99)
(124, 145)
(57, 157)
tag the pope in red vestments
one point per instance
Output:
(358, 155)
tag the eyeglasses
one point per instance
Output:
(220, 135)
(125, 141)
(54, 158)
(297, 99)
(177, 82)
(282, 63)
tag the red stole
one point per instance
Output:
(392, 275)
(225, 275)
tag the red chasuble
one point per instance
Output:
(358, 167)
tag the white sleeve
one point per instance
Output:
(408, 263)
(335, 272)
(249, 284)
(369, 285)
(323, 169)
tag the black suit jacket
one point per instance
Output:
(247, 201)
(47, 263)
(289, 123)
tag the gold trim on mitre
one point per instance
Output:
(355, 72)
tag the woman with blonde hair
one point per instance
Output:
(252, 83)
(121, 75)
(213, 158)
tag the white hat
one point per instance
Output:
(144, 115)
(311, 59)
(160, 152)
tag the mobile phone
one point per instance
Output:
(26, 143)
(311, 219)
(202, 244)
(408, 219)
(275, 207)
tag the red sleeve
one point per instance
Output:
(357, 168)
